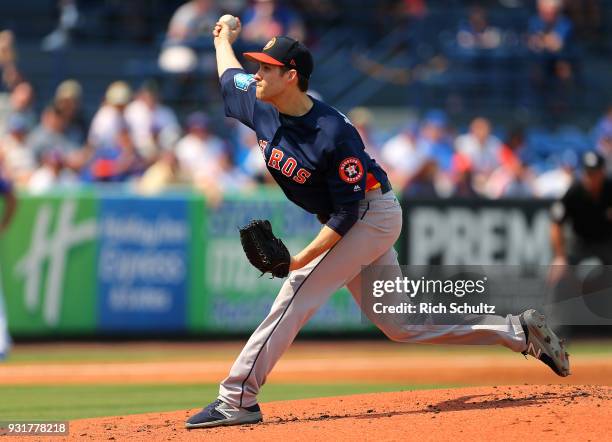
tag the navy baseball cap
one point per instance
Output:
(285, 51)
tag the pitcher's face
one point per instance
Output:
(271, 81)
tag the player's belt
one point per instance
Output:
(371, 183)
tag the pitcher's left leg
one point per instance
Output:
(469, 329)
(527, 333)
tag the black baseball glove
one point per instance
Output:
(264, 250)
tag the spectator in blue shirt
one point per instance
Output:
(549, 39)
(433, 140)
(549, 31)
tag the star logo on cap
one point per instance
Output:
(270, 44)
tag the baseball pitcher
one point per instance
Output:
(318, 159)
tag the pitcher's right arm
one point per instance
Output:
(224, 37)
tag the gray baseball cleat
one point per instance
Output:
(219, 413)
(543, 343)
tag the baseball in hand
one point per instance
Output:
(230, 20)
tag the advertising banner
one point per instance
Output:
(85, 263)
(476, 232)
(48, 259)
(143, 264)
(508, 240)
(505, 245)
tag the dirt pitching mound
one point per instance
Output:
(542, 412)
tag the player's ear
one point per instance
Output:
(292, 75)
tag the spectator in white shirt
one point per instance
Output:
(19, 160)
(554, 182)
(154, 127)
(188, 33)
(402, 159)
(481, 148)
(51, 173)
(109, 120)
(199, 151)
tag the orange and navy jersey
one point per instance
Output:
(318, 159)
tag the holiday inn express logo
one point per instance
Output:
(50, 247)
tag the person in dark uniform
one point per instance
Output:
(581, 232)
(587, 209)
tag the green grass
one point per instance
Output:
(82, 401)
(58, 354)
(67, 402)
(147, 353)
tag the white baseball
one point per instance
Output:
(230, 20)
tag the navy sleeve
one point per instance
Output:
(238, 89)
(346, 172)
(344, 218)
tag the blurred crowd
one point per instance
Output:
(431, 158)
(134, 137)
(131, 138)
